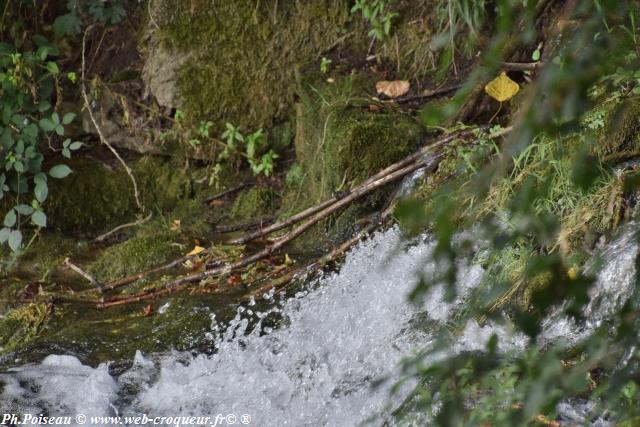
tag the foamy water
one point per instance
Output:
(327, 362)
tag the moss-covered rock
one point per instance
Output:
(620, 139)
(241, 55)
(252, 204)
(148, 248)
(339, 142)
(97, 197)
(22, 324)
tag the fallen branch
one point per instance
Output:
(115, 284)
(418, 160)
(317, 208)
(356, 194)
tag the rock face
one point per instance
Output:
(160, 72)
(118, 127)
(235, 61)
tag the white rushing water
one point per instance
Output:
(340, 336)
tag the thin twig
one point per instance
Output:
(153, 21)
(100, 134)
(102, 237)
(226, 192)
(223, 229)
(426, 95)
(521, 66)
(134, 298)
(84, 274)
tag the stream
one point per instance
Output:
(327, 356)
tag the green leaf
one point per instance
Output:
(60, 130)
(67, 24)
(15, 240)
(55, 118)
(44, 106)
(41, 191)
(46, 125)
(40, 177)
(536, 55)
(39, 218)
(19, 120)
(42, 52)
(10, 218)
(4, 234)
(7, 139)
(18, 166)
(68, 118)
(31, 130)
(60, 171)
(24, 209)
(52, 67)
(66, 153)
(75, 146)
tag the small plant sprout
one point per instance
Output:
(324, 65)
(375, 12)
(231, 136)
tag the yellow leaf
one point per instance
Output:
(196, 250)
(393, 89)
(287, 260)
(573, 273)
(175, 225)
(502, 88)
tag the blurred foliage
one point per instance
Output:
(33, 124)
(537, 195)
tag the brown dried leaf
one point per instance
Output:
(148, 310)
(394, 88)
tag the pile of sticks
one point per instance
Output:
(427, 158)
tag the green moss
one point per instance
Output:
(89, 200)
(150, 247)
(252, 204)
(409, 49)
(242, 55)
(339, 143)
(95, 197)
(22, 324)
(621, 137)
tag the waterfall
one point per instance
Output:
(326, 356)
